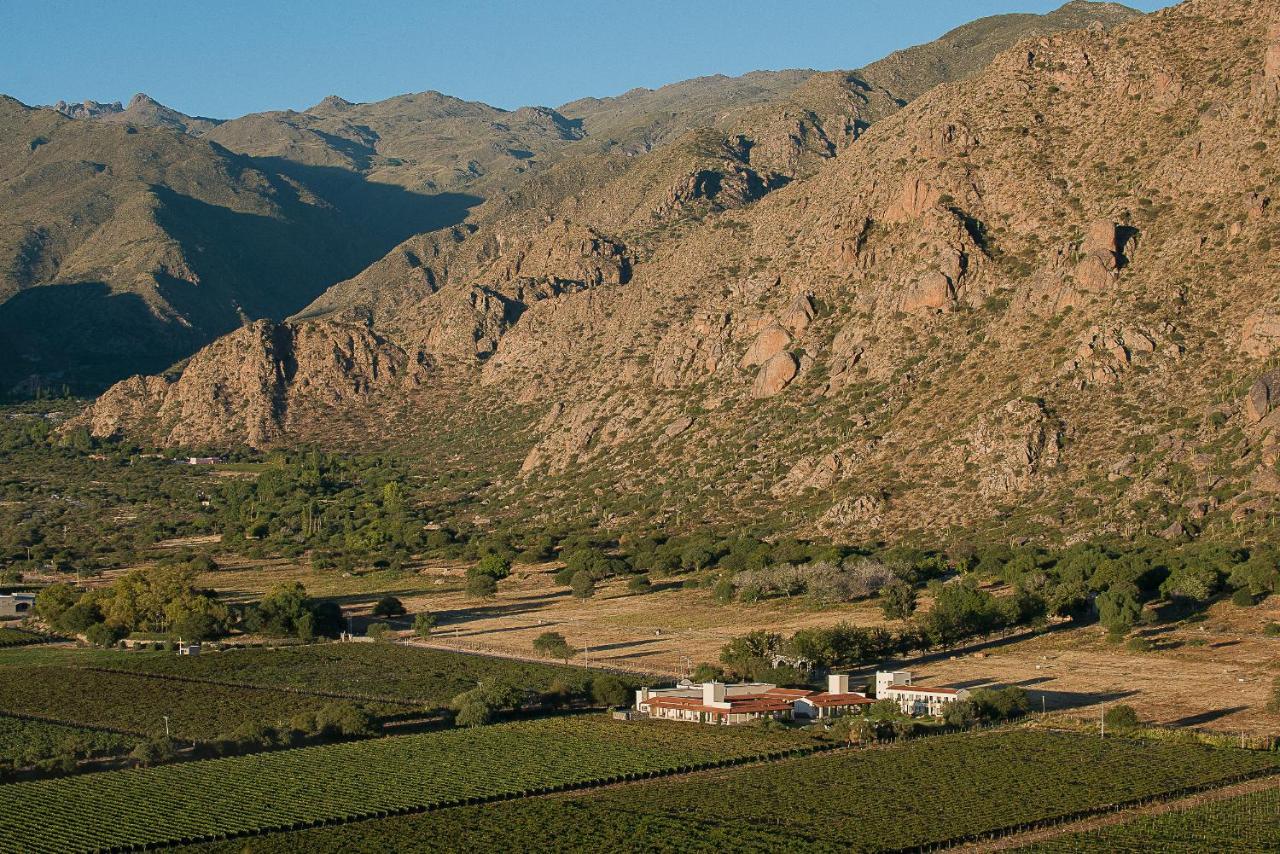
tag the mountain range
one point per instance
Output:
(1022, 281)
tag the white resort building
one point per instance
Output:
(915, 699)
(718, 703)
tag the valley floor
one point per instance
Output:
(1211, 672)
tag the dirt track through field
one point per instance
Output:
(1033, 836)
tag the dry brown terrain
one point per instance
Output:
(1213, 673)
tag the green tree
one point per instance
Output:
(609, 690)
(55, 600)
(196, 626)
(1192, 581)
(154, 751)
(423, 623)
(481, 585)
(344, 719)
(1258, 575)
(583, 585)
(962, 714)
(898, 600)
(999, 704)
(639, 584)
(495, 565)
(707, 672)
(103, 635)
(1119, 609)
(553, 645)
(377, 631)
(751, 654)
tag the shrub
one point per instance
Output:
(1121, 717)
(1243, 598)
(378, 631)
(495, 565)
(389, 606)
(1138, 644)
(481, 585)
(639, 584)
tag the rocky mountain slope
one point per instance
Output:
(1040, 302)
(124, 246)
(161, 230)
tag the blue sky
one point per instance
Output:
(225, 58)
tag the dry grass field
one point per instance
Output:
(1213, 672)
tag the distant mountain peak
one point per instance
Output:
(332, 103)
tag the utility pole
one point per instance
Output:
(1104, 720)
(166, 725)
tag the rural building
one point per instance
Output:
(16, 604)
(718, 703)
(915, 699)
(837, 700)
(188, 648)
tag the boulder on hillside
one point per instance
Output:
(768, 343)
(933, 291)
(775, 375)
(799, 314)
(1262, 397)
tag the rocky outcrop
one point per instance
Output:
(254, 385)
(1260, 334)
(1009, 446)
(1101, 258)
(1103, 354)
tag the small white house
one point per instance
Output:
(16, 604)
(915, 699)
(188, 648)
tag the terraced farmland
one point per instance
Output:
(366, 779)
(924, 792)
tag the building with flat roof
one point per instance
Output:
(915, 699)
(16, 604)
